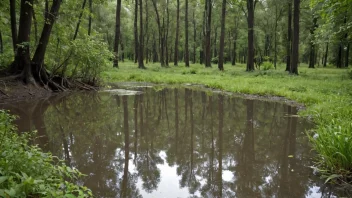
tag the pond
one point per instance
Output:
(175, 143)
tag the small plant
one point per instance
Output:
(267, 66)
(26, 171)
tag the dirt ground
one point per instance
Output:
(13, 89)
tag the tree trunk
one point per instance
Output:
(313, 54)
(141, 47)
(289, 37)
(339, 57)
(186, 37)
(326, 55)
(194, 38)
(234, 48)
(13, 24)
(166, 36)
(35, 24)
(347, 55)
(161, 39)
(1, 44)
(177, 33)
(207, 34)
(295, 42)
(79, 20)
(90, 16)
(222, 37)
(250, 21)
(135, 31)
(146, 31)
(38, 69)
(117, 33)
(22, 61)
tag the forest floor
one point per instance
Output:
(325, 92)
(13, 89)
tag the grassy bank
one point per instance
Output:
(326, 92)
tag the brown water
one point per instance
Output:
(176, 143)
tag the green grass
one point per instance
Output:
(326, 93)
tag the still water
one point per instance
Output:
(176, 143)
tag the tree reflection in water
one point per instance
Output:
(220, 146)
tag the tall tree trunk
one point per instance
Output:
(234, 47)
(13, 24)
(313, 54)
(38, 68)
(161, 39)
(194, 38)
(289, 37)
(90, 16)
(295, 42)
(1, 44)
(177, 33)
(35, 24)
(141, 43)
(339, 56)
(222, 37)
(79, 19)
(186, 37)
(347, 55)
(22, 61)
(146, 31)
(326, 55)
(208, 34)
(250, 21)
(117, 33)
(167, 34)
(135, 30)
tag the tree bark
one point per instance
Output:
(295, 42)
(1, 44)
(250, 22)
(13, 24)
(141, 47)
(161, 39)
(90, 17)
(177, 33)
(347, 55)
(135, 30)
(194, 38)
(326, 55)
(22, 61)
(313, 54)
(166, 35)
(222, 37)
(117, 33)
(289, 37)
(186, 37)
(79, 20)
(208, 34)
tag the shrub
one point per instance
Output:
(215, 60)
(26, 171)
(267, 66)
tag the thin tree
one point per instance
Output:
(326, 55)
(13, 24)
(186, 37)
(161, 39)
(141, 47)
(135, 31)
(1, 44)
(79, 20)
(117, 33)
(295, 42)
(289, 36)
(177, 33)
(222, 37)
(90, 17)
(208, 33)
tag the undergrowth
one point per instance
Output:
(26, 171)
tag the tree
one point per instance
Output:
(186, 36)
(295, 41)
(222, 37)
(208, 8)
(141, 47)
(117, 33)
(250, 23)
(177, 33)
(289, 36)
(135, 28)
(13, 24)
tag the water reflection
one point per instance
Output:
(176, 143)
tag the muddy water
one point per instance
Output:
(175, 143)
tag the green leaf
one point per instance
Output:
(3, 179)
(331, 177)
(70, 196)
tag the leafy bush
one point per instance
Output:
(26, 171)
(215, 60)
(5, 59)
(267, 66)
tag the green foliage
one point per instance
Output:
(89, 58)
(215, 60)
(350, 74)
(267, 66)
(26, 171)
